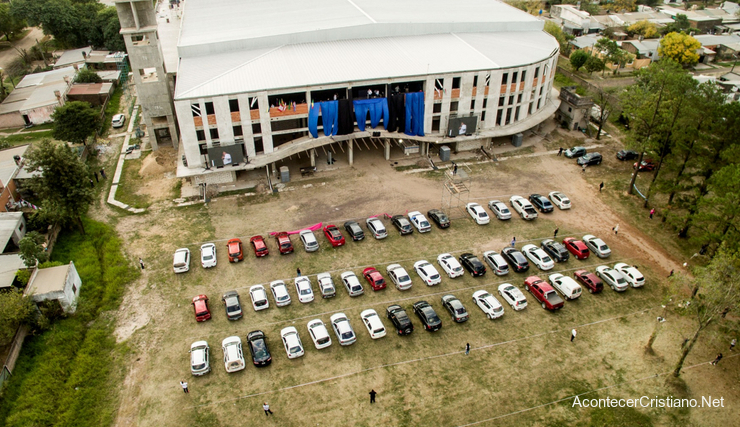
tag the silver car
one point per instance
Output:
(499, 209)
(377, 228)
(352, 283)
(309, 241)
(200, 363)
(326, 285)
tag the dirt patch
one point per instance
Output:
(158, 162)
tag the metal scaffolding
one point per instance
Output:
(456, 192)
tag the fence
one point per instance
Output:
(15, 351)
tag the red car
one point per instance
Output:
(374, 278)
(590, 281)
(646, 165)
(234, 247)
(334, 236)
(259, 246)
(200, 306)
(576, 247)
(284, 243)
(544, 293)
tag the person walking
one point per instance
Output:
(670, 274)
(733, 343)
(560, 151)
(96, 177)
(555, 233)
(513, 241)
(601, 186)
(141, 263)
(372, 396)
(467, 348)
(573, 334)
(616, 229)
(298, 272)
(102, 173)
(652, 212)
(184, 386)
(454, 169)
(717, 359)
(92, 184)
(583, 168)
(266, 408)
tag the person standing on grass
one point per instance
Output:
(102, 173)
(298, 272)
(560, 151)
(266, 408)
(513, 241)
(616, 229)
(652, 212)
(555, 233)
(467, 349)
(601, 186)
(717, 359)
(573, 334)
(184, 386)
(372, 396)
(583, 168)
(141, 263)
(670, 274)
(96, 177)
(733, 343)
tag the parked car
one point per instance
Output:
(280, 293)
(310, 244)
(556, 250)
(233, 354)
(612, 277)
(181, 261)
(374, 278)
(117, 121)
(471, 263)
(285, 246)
(516, 259)
(647, 165)
(427, 272)
(496, 262)
(377, 228)
(499, 209)
(538, 257)
(420, 222)
(399, 276)
(589, 281)
(259, 246)
(589, 159)
(208, 255)
(292, 342)
(597, 246)
(428, 316)
(456, 308)
(631, 274)
(560, 200)
(258, 348)
(574, 152)
(566, 286)
(402, 224)
(200, 307)
(342, 328)
(512, 295)
(450, 265)
(440, 218)
(303, 289)
(523, 208)
(488, 304)
(233, 305)
(541, 202)
(326, 285)
(544, 293)
(200, 363)
(319, 334)
(234, 247)
(627, 155)
(259, 297)
(354, 230)
(477, 212)
(352, 284)
(576, 247)
(400, 319)
(334, 236)
(373, 324)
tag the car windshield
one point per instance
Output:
(604, 247)
(403, 279)
(283, 298)
(199, 366)
(305, 291)
(347, 335)
(294, 350)
(442, 217)
(232, 308)
(207, 257)
(457, 268)
(201, 313)
(323, 340)
(356, 288)
(285, 245)
(460, 311)
(259, 349)
(482, 214)
(424, 224)
(260, 302)
(434, 276)
(546, 259)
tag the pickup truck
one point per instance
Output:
(544, 293)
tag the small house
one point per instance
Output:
(60, 283)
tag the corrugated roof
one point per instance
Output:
(8, 223)
(9, 265)
(8, 167)
(37, 90)
(73, 56)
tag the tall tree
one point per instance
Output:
(15, 309)
(578, 59)
(554, 30)
(680, 23)
(10, 25)
(32, 249)
(74, 122)
(605, 100)
(594, 64)
(718, 213)
(679, 47)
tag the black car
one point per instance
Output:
(402, 224)
(428, 316)
(541, 202)
(472, 264)
(439, 218)
(258, 347)
(455, 307)
(400, 319)
(516, 259)
(627, 155)
(556, 250)
(590, 159)
(354, 230)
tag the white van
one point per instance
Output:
(566, 285)
(233, 355)
(181, 263)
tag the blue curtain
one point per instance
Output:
(313, 120)
(378, 109)
(330, 117)
(415, 114)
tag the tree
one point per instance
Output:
(594, 64)
(681, 23)
(680, 48)
(592, 9)
(15, 309)
(32, 249)
(9, 24)
(612, 52)
(626, 5)
(605, 100)
(74, 122)
(643, 28)
(62, 184)
(87, 75)
(578, 59)
(554, 30)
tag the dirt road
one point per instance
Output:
(7, 56)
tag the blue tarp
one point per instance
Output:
(415, 114)
(313, 120)
(329, 118)
(378, 108)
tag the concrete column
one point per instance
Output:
(223, 119)
(265, 122)
(387, 149)
(204, 118)
(188, 138)
(428, 104)
(480, 93)
(312, 153)
(350, 148)
(466, 91)
(245, 117)
(494, 92)
(446, 97)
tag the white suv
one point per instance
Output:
(233, 355)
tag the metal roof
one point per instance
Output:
(8, 224)
(47, 280)
(37, 90)
(8, 167)
(9, 265)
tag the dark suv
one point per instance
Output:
(472, 264)
(439, 218)
(400, 319)
(627, 155)
(541, 202)
(590, 159)
(402, 224)
(354, 230)
(516, 259)
(556, 250)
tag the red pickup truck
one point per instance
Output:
(544, 293)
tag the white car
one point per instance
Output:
(259, 297)
(566, 285)
(352, 284)
(612, 277)
(489, 304)
(303, 289)
(496, 262)
(200, 363)
(631, 274)
(427, 272)
(560, 200)
(342, 328)
(499, 209)
(233, 354)
(597, 246)
(280, 293)
(309, 241)
(523, 207)
(208, 255)
(319, 334)
(538, 257)
(450, 265)
(292, 342)
(478, 213)
(326, 285)
(373, 324)
(181, 261)
(118, 121)
(513, 296)
(399, 276)
(377, 228)
(420, 221)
